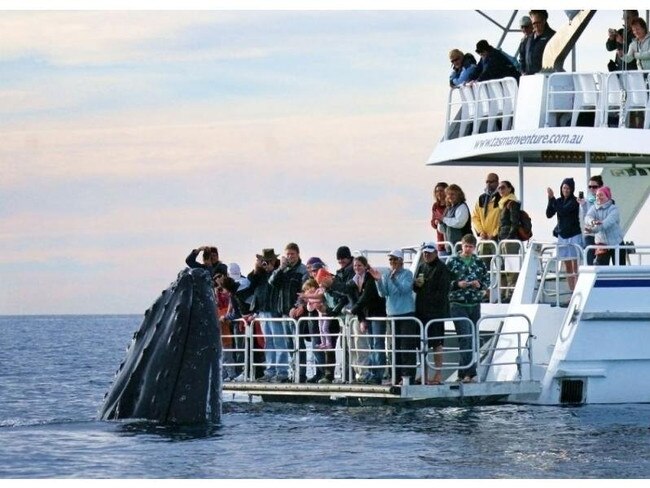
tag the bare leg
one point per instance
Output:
(572, 270)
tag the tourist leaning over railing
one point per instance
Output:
(469, 280)
(396, 285)
(463, 67)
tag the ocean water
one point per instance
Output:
(54, 371)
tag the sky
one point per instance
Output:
(130, 137)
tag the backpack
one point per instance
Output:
(525, 229)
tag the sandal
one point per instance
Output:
(468, 379)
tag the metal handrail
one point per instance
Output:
(629, 248)
(559, 273)
(519, 361)
(447, 351)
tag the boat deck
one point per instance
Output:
(451, 393)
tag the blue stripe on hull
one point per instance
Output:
(622, 283)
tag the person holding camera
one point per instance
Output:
(210, 259)
(619, 41)
(265, 306)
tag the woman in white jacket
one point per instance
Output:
(603, 220)
(639, 49)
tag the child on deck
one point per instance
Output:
(314, 296)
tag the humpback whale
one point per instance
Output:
(172, 370)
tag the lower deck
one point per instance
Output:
(453, 393)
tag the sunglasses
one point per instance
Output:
(455, 60)
(593, 187)
(392, 259)
(490, 181)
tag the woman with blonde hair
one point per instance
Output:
(456, 221)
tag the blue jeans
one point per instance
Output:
(377, 357)
(463, 328)
(275, 347)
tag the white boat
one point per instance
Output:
(548, 345)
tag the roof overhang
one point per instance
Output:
(552, 146)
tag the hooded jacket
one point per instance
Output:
(567, 210)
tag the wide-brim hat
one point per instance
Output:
(267, 254)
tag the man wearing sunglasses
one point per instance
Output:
(542, 33)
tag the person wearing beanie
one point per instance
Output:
(494, 63)
(345, 271)
(567, 230)
(604, 221)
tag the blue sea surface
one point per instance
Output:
(54, 371)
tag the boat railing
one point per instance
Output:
(520, 340)
(628, 254)
(409, 254)
(617, 99)
(351, 350)
(478, 107)
(552, 270)
(503, 259)
(450, 352)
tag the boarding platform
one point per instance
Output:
(452, 393)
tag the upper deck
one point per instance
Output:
(550, 119)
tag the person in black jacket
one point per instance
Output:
(494, 64)
(536, 44)
(569, 233)
(526, 26)
(288, 280)
(210, 260)
(619, 41)
(264, 306)
(431, 285)
(366, 303)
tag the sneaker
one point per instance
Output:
(267, 378)
(280, 379)
(240, 379)
(373, 381)
(324, 381)
(315, 379)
